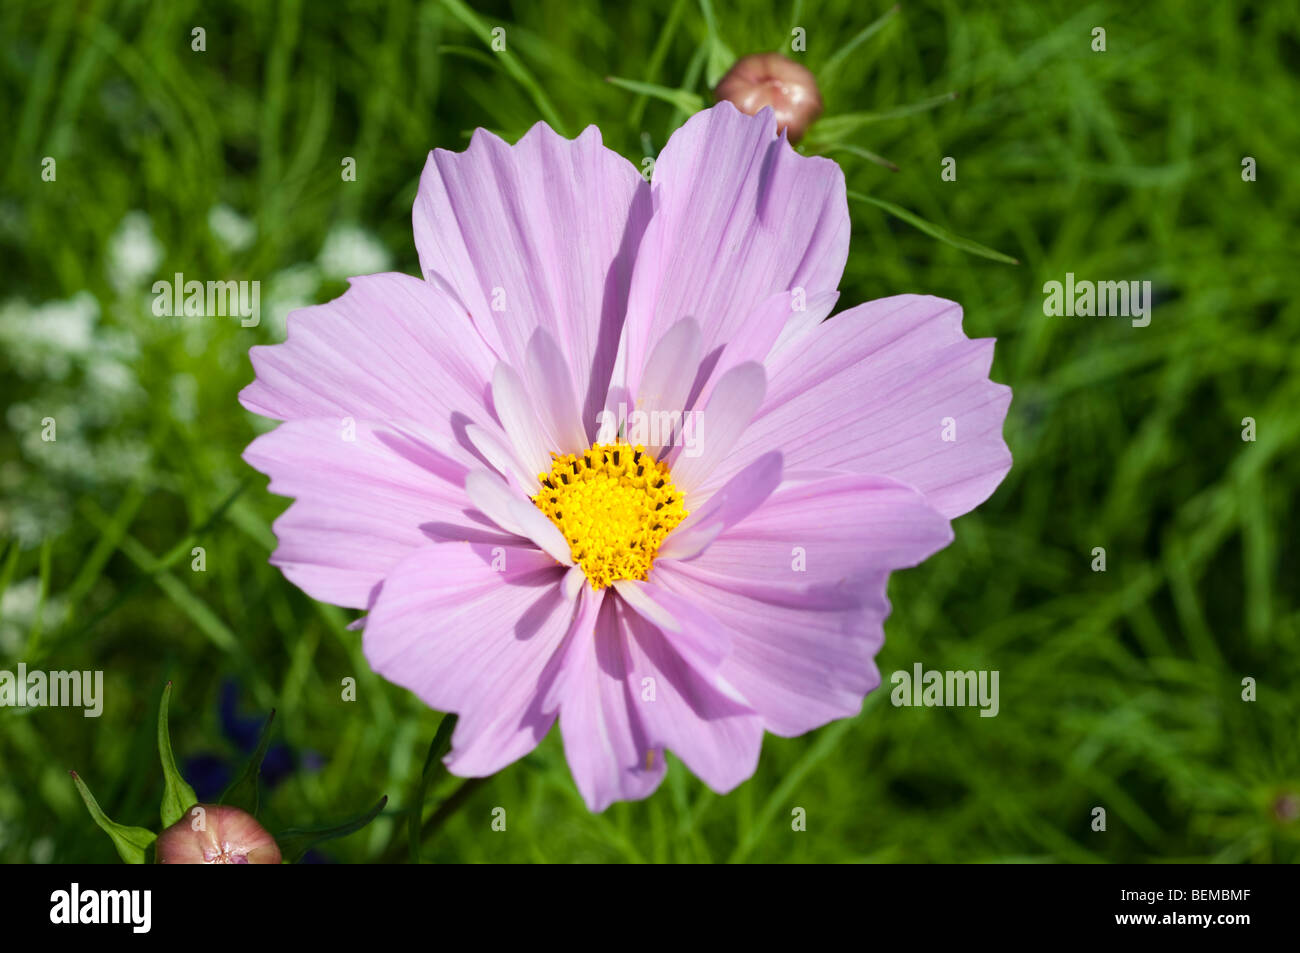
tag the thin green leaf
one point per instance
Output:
(826, 75)
(862, 153)
(469, 53)
(720, 56)
(295, 843)
(243, 791)
(690, 80)
(433, 767)
(935, 231)
(7, 573)
(178, 796)
(38, 616)
(509, 62)
(683, 100)
(656, 62)
(832, 129)
(131, 842)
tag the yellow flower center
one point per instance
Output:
(614, 504)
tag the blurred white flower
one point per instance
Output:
(18, 613)
(45, 340)
(42, 850)
(350, 251)
(185, 397)
(110, 379)
(86, 382)
(232, 230)
(287, 290)
(133, 252)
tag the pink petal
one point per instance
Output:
(510, 511)
(693, 633)
(823, 533)
(737, 396)
(362, 505)
(771, 321)
(538, 527)
(551, 390)
(870, 391)
(474, 638)
(605, 742)
(743, 494)
(499, 453)
(799, 666)
(688, 712)
(519, 416)
(800, 587)
(739, 217)
(578, 639)
(554, 224)
(669, 374)
(391, 348)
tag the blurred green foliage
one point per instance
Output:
(1120, 689)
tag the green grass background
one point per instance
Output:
(1119, 689)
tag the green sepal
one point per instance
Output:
(243, 791)
(178, 796)
(131, 842)
(295, 843)
(432, 768)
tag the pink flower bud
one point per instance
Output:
(770, 79)
(217, 834)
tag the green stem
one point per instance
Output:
(396, 852)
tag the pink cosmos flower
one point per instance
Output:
(474, 457)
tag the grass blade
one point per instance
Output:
(935, 231)
(243, 791)
(510, 63)
(826, 75)
(432, 768)
(683, 100)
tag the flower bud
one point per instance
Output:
(770, 79)
(217, 834)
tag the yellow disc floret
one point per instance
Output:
(614, 504)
